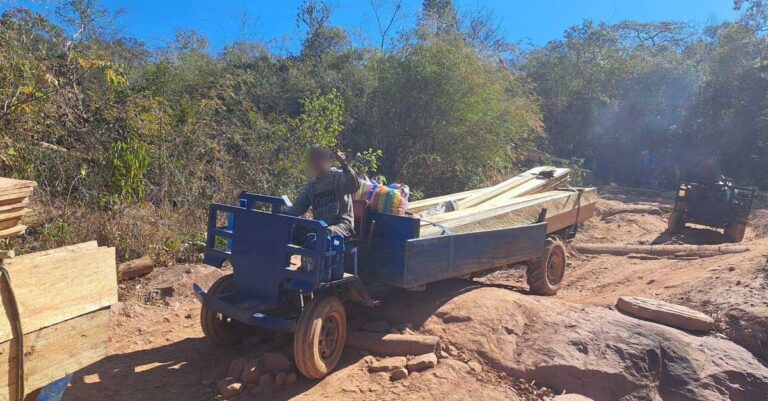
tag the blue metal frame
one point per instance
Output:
(54, 391)
(259, 247)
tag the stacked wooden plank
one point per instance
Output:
(63, 296)
(513, 202)
(14, 202)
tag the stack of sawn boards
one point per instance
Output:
(513, 202)
(14, 202)
(63, 296)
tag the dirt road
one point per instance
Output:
(157, 351)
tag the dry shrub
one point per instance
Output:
(165, 233)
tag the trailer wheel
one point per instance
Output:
(320, 336)
(220, 329)
(735, 232)
(545, 273)
(675, 222)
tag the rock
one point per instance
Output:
(571, 397)
(597, 352)
(388, 364)
(290, 378)
(422, 362)
(274, 363)
(280, 378)
(475, 366)
(398, 374)
(665, 313)
(264, 379)
(236, 367)
(376, 326)
(229, 387)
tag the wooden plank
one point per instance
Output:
(6, 224)
(13, 213)
(12, 199)
(17, 191)
(10, 183)
(537, 185)
(57, 285)
(82, 246)
(53, 352)
(23, 203)
(13, 231)
(474, 211)
(501, 188)
(556, 203)
(666, 313)
(425, 204)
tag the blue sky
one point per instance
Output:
(534, 21)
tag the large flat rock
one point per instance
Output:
(595, 351)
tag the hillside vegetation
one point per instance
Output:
(129, 144)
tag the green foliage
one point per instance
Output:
(321, 121)
(369, 162)
(128, 163)
(445, 117)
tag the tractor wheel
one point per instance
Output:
(545, 273)
(675, 222)
(220, 329)
(735, 232)
(320, 336)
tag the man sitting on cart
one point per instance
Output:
(328, 192)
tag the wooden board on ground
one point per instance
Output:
(60, 284)
(53, 352)
(668, 314)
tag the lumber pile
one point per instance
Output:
(516, 201)
(63, 296)
(14, 202)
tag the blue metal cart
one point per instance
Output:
(266, 292)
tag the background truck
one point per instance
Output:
(718, 204)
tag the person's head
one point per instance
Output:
(320, 161)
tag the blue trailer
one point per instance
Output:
(266, 292)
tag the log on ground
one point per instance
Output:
(135, 268)
(392, 344)
(660, 250)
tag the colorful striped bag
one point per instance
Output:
(389, 199)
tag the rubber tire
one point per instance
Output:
(735, 232)
(306, 341)
(215, 326)
(675, 222)
(539, 282)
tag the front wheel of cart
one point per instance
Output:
(321, 333)
(545, 273)
(217, 327)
